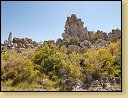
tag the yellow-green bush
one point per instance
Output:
(100, 63)
(26, 70)
(18, 67)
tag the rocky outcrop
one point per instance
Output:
(50, 42)
(85, 44)
(24, 43)
(114, 35)
(74, 29)
(18, 44)
(10, 43)
(74, 34)
(100, 43)
(101, 35)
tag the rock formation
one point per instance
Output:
(71, 48)
(85, 44)
(24, 43)
(50, 42)
(114, 35)
(75, 37)
(74, 28)
(17, 44)
(10, 43)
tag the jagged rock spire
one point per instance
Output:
(74, 27)
(10, 41)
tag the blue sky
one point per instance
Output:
(45, 20)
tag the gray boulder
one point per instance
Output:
(71, 48)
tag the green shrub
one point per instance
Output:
(25, 71)
(100, 63)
